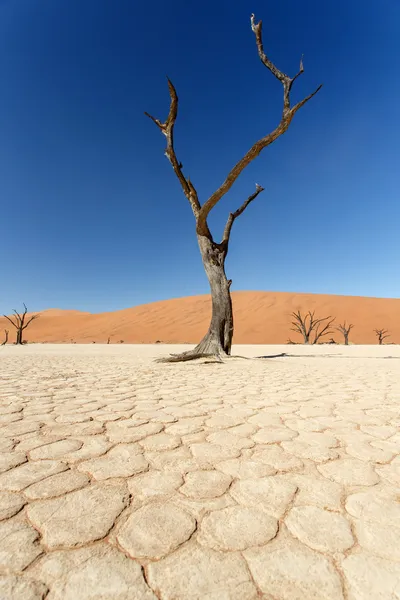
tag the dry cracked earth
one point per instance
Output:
(124, 479)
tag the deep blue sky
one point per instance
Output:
(92, 215)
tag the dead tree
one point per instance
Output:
(381, 334)
(18, 321)
(307, 324)
(6, 337)
(345, 330)
(218, 339)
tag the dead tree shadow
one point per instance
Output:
(275, 355)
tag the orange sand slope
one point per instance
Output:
(260, 318)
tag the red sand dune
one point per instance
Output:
(260, 318)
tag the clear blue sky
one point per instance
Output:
(92, 215)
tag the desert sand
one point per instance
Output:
(122, 478)
(260, 318)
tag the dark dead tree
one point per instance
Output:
(345, 330)
(218, 339)
(321, 329)
(19, 322)
(307, 324)
(6, 332)
(381, 334)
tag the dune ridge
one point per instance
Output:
(260, 318)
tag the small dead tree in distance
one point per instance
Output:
(6, 332)
(218, 339)
(19, 322)
(345, 330)
(307, 324)
(382, 334)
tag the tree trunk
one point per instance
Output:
(346, 339)
(19, 337)
(218, 339)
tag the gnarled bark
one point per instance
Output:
(218, 339)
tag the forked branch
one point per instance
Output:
(237, 213)
(285, 80)
(321, 330)
(14, 324)
(33, 317)
(287, 116)
(167, 128)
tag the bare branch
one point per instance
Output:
(17, 316)
(283, 78)
(297, 106)
(324, 331)
(156, 121)
(299, 324)
(257, 30)
(167, 129)
(287, 116)
(312, 323)
(238, 212)
(12, 322)
(33, 317)
(301, 70)
(23, 316)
